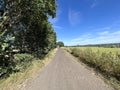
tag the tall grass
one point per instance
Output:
(106, 60)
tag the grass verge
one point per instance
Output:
(106, 63)
(14, 81)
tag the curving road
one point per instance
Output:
(64, 73)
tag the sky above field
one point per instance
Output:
(80, 22)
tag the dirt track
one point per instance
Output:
(64, 73)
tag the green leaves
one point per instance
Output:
(26, 28)
(60, 44)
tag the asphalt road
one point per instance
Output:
(65, 73)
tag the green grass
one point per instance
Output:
(104, 60)
(16, 79)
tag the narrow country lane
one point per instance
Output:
(64, 73)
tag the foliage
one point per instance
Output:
(11, 83)
(60, 44)
(21, 61)
(5, 54)
(25, 29)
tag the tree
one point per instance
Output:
(60, 44)
(26, 22)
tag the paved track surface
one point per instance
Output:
(65, 73)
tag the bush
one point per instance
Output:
(19, 58)
(2, 71)
(75, 52)
(21, 61)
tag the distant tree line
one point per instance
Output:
(60, 44)
(25, 28)
(111, 45)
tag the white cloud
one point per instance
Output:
(82, 37)
(54, 23)
(74, 17)
(103, 29)
(53, 20)
(103, 33)
(57, 27)
(56, 19)
(116, 33)
(97, 38)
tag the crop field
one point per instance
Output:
(101, 49)
(106, 60)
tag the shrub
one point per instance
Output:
(19, 58)
(75, 52)
(21, 61)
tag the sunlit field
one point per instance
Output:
(101, 49)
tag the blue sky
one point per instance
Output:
(81, 22)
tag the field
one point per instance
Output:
(106, 60)
(101, 49)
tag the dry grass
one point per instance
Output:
(16, 79)
(104, 60)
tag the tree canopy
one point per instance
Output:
(60, 44)
(24, 26)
